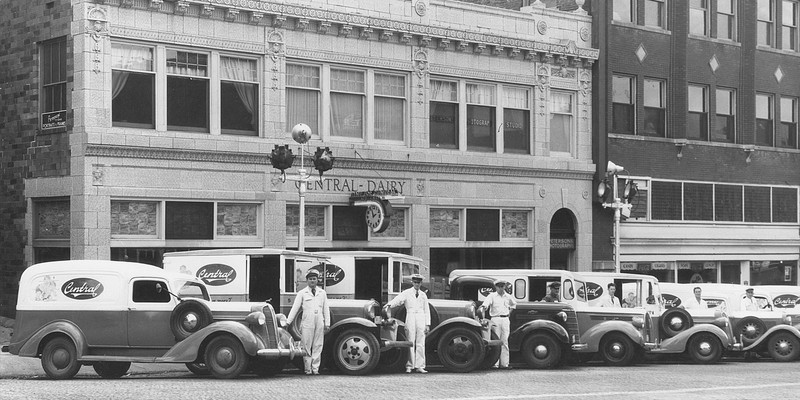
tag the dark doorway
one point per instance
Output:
(371, 279)
(562, 239)
(265, 277)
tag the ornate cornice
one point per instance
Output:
(510, 46)
(189, 40)
(427, 168)
(342, 58)
(449, 70)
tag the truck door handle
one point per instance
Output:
(531, 312)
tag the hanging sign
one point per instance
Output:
(379, 209)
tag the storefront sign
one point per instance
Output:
(355, 185)
(56, 119)
(659, 265)
(562, 243)
(684, 265)
(628, 266)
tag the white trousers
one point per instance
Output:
(313, 334)
(501, 328)
(415, 331)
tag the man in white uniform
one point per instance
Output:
(696, 303)
(500, 305)
(315, 323)
(418, 322)
(749, 303)
(610, 300)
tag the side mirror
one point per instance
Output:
(159, 288)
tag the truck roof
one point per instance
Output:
(124, 269)
(245, 251)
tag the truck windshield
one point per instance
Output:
(580, 290)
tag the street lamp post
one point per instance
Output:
(620, 207)
(282, 159)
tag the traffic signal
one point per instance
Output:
(631, 189)
(604, 192)
(323, 160)
(281, 158)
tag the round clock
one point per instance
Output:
(376, 218)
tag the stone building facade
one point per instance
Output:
(135, 127)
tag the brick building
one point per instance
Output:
(132, 127)
(699, 102)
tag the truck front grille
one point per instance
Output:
(271, 327)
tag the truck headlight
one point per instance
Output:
(470, 311)
(369, 310)
(787, 319)
(638, 322)
(256, 318)
(562, 315)
(721, 322)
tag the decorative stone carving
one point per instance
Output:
(256, 17)
(496, 50)
(424, 41)
(541, 27)
(586, 83)
(421, 63)
(444, 44)
(275, 48)
(97, 29)
(479, 48)
(386, 35)
(514, 53)
(301, 24)
(155, 5)
(207, 11)
(278, 21)
(181, 7)
(405, 38)
(345, 30)
(530, 55)
(126, 3)
(323, 27)
(461, 45)
(365, 33)
(98, 175)
(231, 14)
(421, 7)
(585, 34)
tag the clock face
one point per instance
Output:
(374, 217)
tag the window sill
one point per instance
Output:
(728, 42)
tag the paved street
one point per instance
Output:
(727, 380)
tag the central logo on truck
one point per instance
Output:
(673, 301)
(216, 274)
(82, 288)
(785, 301)
(593, 291)
(333, 273)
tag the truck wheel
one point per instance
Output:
(750, 329)
(492, 354)
(111, 369)
(461, 350)
(189, 317)
(783, 346)
(198, 368)
(617, 349)
(264, 368)
(60, 358)
(704, 348)
(674, 321)
(541, 350)
(225, 357)
(356, 352)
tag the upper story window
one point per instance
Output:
(764, 119)
(444, 114)
(239, 95)
(187, 90)
(348, 90)
(726, 19)
(655, 109)
(561, 122)
(516, 120)
(698, 17)
(787, 133)
(697, 120)
(132, 86)
(53, 68)
(789, 26)
(725, 122)
(764, 28)
(481, 101)
(624, 10)
(654, 13)
(303, 96)
(390, 105)
(622, 99)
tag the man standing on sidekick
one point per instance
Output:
(315, 323)
(500, 305)
(418, 322)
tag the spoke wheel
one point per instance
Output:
(783, 346)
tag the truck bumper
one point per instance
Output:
(391, 344)
(294, 350)
(580, 347)
(493, 343)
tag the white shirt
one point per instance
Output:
(610, 301)
(415, 304)
(750, 304)
(499, 304)
(693, 304)
(311, 304)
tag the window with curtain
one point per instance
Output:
(698, 17)
(561, 116)
(789, 26)
(481, 101)
(53, 69)
(622, 104)
(764, 119)
(302, 96)
(726, 26)
(654, 108)
(238, 95)
(444, 114)
(697, 118)
(654, 13)
(786, 136)
(516, 120)
(764, 35)
(623, 10)
(390, 103)
(725, 121)
(187, 90)
(348, 90)
(132, 86)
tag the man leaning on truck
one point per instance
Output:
(316, 320)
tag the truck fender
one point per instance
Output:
(677, 343)
(188, 350)
(515, 338)
(436, 331)
(33, 345)
(594, 335)
(777, 328)
(363, 322)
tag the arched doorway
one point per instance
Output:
(562, 239)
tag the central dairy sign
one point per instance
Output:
(356, 185)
